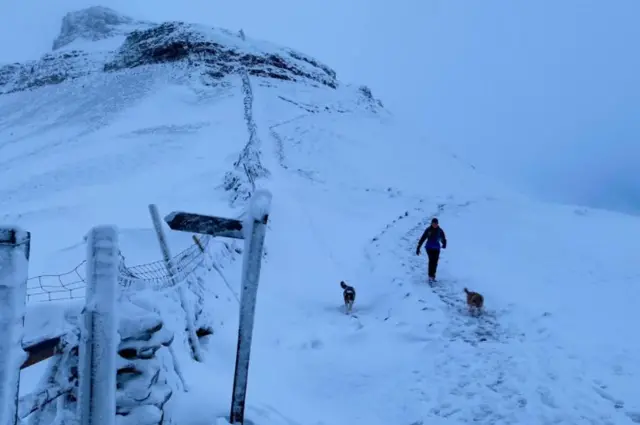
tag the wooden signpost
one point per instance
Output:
(252, 231)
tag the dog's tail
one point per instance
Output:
(343, 285)
(466, 291)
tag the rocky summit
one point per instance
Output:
(99, 39)
(94, 24)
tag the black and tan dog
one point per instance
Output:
(349, 296)
(475, 301)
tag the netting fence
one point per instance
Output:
(155, 275)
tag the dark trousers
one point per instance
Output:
(434, 256)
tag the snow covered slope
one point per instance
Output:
(185, 116)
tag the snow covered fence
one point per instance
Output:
(14, 263)
(72, 284)
(99, 337)
(137, 366)
(249, 160)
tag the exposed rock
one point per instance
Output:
(126, 373)
(204, 332)
(49, 70)
(211, 52)
(144, 348)
(221, 53)
(367, 96)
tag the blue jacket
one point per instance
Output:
(434, 236)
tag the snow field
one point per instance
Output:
(351, 194)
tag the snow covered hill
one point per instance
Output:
(124, 113)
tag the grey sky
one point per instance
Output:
(543, 92)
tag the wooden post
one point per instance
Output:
(255, 230)
(162, 240)
(99, 338)
(15, 246)
(252, 231)
(192, 337)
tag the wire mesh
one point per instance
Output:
(71, 285)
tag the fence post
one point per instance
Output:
(194, 343)
(254, 232)
(15, 246)
(99, 339)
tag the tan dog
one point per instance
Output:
(474, 300)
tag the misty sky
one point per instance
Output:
(545, 93)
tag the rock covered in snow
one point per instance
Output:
(139, 324)
(145, 415)
(142, 334)
(141, 389)
(98, 39)
(52, 68)
(93, 24)
(219, 51)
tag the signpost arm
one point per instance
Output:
(207, 225)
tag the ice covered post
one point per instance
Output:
(252, 231)
(15, 246)
(99, 337)
(182, 290)
(255, 228)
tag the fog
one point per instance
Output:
(544, 94)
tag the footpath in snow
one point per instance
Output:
(504, 367)
(410, 353)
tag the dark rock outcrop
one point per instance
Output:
(220, 52)
(52, 68)
(214, 53)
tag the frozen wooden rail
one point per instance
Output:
(40, 351)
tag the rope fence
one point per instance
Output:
(71, 285)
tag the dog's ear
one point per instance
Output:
(466, 291)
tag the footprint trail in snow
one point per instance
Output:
(492, 369)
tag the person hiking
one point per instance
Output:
(434, 236)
